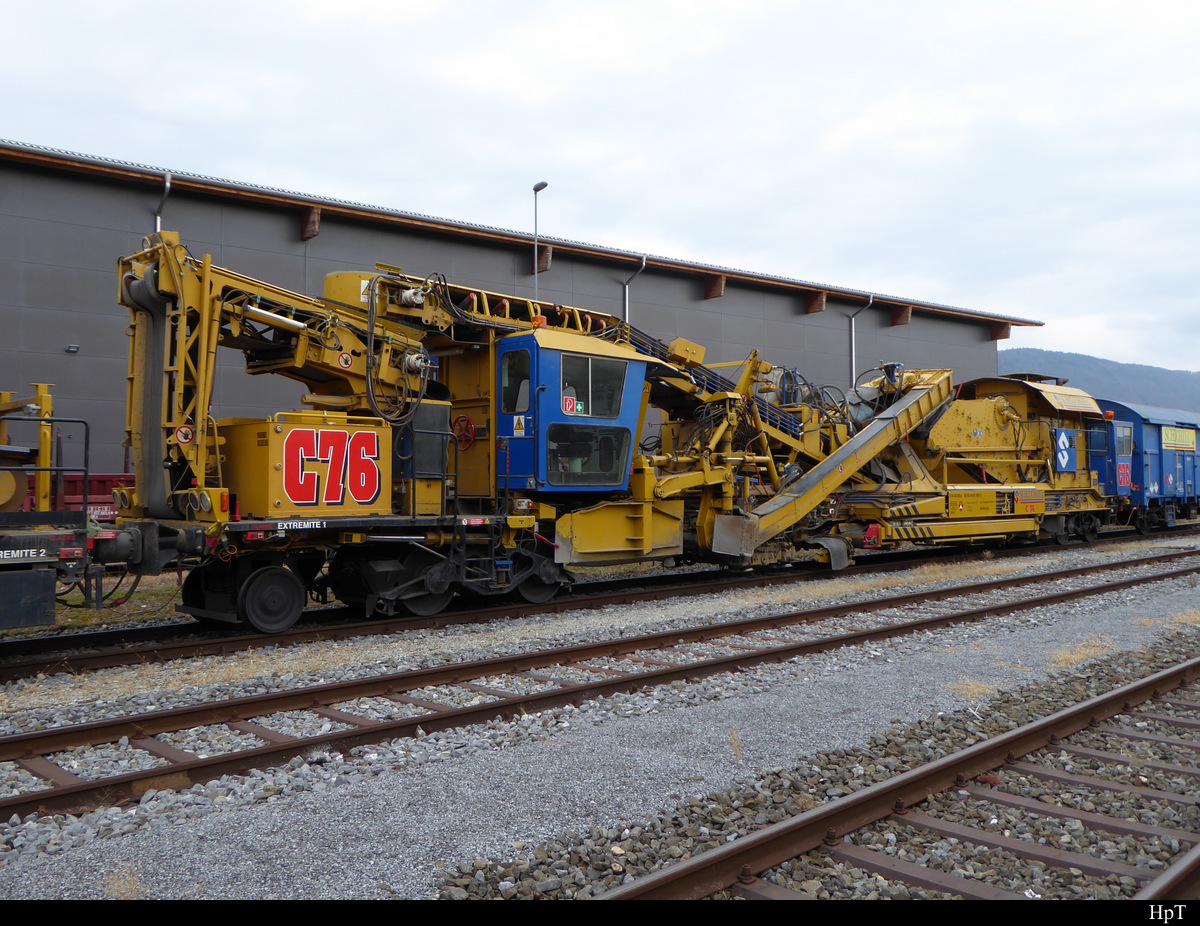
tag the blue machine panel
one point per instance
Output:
(1065, 455)
(1162, 472)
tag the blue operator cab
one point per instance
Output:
(1110, 454)
(567, 412)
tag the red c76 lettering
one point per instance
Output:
(352, 464)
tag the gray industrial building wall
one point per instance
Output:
(61, 234)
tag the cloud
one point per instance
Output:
(1034, 159)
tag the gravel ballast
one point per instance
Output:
(553, 797)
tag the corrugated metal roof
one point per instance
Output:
(1156, 415)
(144, 173)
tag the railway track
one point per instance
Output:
(24, 657)
(173, 749)
(950, 827)
(27, 657)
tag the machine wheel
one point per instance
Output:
(427, 605)
(542, 583)
(1089, 528)
(535, 591)
(1141, 524)
(432, 600)
(271, 600)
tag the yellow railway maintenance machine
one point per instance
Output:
(456, 441)
(41, 545)
(1006, 460)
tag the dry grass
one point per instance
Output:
(1187, 617)
(1088, 649)
(971, 690)
(1140, 546)
(157, 594)
(62, 690)
(1147, 622)
(154, 599)
(942, 572)
(735, 743)
(122, 682)
(126, 884)
(921, 575)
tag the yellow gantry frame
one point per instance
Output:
(43, 404)
(183, 309)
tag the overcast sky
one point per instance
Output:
(1035, 159)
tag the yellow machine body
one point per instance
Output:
(985, 468)
(308, 465)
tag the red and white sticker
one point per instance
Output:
(353, 466)
(185, 434)
(569, 404)
(345, 361)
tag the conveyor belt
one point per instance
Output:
(741, 535)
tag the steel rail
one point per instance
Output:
(117, 652)
(722, 868)
(591, 594)
(1179, 882)
(29, 749)
(113, 646)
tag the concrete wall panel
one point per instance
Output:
(61, 234)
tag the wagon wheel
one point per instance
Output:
(271, 599)
(464, 433)
(539, 586)
(535, 591)
(428, 601)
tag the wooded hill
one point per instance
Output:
(1107, 379)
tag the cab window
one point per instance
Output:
(514, 383)
(593, 384)
(1124, 441)
(586, 455)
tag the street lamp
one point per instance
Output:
(537, 188)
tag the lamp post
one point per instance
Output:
(537, 188)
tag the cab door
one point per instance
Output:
(1115, 460)
(516, 412)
